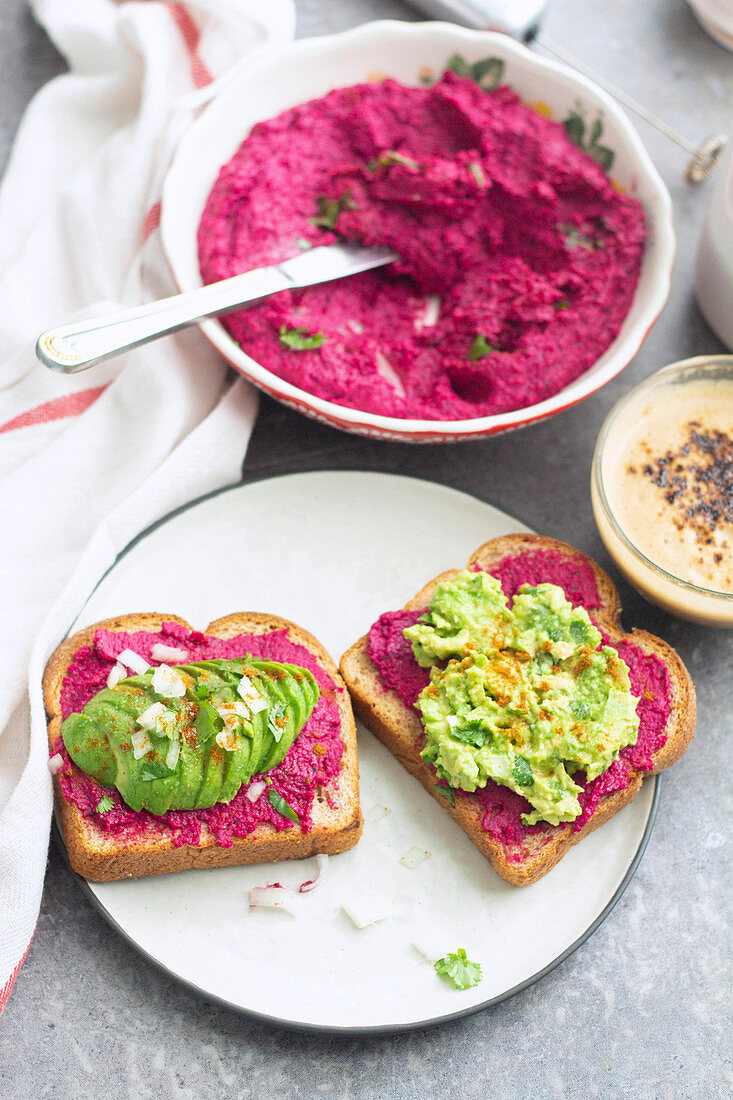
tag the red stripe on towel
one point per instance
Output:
(5, 991)
(152, 220)
(60, 407)
(191, 35)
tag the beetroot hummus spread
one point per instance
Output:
(392, 655)
(518, 257)
(313, 760)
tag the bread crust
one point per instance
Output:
(400, 728)
(100, 857)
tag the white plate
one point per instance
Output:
(332, 551)
(295, 72)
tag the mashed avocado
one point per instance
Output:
(188, 736)
(526, 697)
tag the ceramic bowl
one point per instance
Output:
(290, 74)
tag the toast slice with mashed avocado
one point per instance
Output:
(173, 748)
(511, 691)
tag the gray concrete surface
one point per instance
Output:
(642, 1010)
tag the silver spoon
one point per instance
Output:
(75, 347)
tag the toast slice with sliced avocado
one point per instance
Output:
(168, 783)
(519, 853)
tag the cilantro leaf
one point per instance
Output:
(275, 720)
(329, 210)
(447, 792)
(299, 339)
(480, 348)
(580, 709)
(459, 969)
(522, 772)
(208, 721)
(155, 769)
(105, 804)
(278, 803)
(470, 730)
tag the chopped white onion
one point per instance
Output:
(421, 951)
(362, 914)
(172, 755)
(273, 897)
(141, 743)
(158, 719)
(161, 652)
(227, 739)
(167, 681)
(116, 673)
(254, 790)
(414, 857)
(252, 697)
(55, 763)
(310, 884)
(431, 313)
(376, 814)
(133, 661)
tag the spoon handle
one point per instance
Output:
(74, 347)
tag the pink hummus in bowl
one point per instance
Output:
(534, 235)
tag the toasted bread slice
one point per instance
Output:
(101, 857)
(400, 728)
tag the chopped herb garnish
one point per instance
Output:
(478, 173)
(580, 709)
(303, 243)
(105, 804)
(575, 239)
(470, 730)
(562, 303)
(392, 157)
(208, 721)
(276, 720)
(155, 769)
(480, 348)
(201, 691)
(278, 803)
(522, 772)
(447, 792)
(459, 969)
(329, 210)
(299, 339)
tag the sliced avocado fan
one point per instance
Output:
(191, 735)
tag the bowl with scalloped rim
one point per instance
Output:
(289, 74)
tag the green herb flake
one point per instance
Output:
(580, 709)
(459, 969)
(447, 792)
(155, 769)
(393, 157)
(303, 243)
(299, 339)
(275, 720)
(208, 721)
(330, 209)
(278, 803)
(480, 348)
(105, 804)
(522, 772)
(575, 239)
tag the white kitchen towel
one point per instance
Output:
(89, 460)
